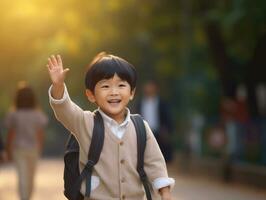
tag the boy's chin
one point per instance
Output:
(114, 112)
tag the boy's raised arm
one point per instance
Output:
(57, 74)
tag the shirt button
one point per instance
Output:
(123, 196)
(122, 161)
(121, 143)
(123, 180)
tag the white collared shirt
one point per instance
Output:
(117, 129)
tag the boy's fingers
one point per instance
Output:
(53, 59)
(49, 67)
(66, 70)
(50, 63)
(59, 60)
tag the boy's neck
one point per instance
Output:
(119, 119)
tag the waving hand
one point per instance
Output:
(57, 74)
(56, 71)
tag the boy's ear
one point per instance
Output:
(132, 94)
(90, 96)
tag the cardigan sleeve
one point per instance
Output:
(70, 114)
(154, 163)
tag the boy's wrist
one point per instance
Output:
(165, 192)
(58, 85)
(57, 91)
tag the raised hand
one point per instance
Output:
(57, 74)
(56, 71)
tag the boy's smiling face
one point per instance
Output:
(112, 96)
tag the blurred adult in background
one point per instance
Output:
(228, 121)
(157, 113)
(236, 121)
(2, 149)
(228, 113)
(235, 118)
(243, 121)
(25, 124)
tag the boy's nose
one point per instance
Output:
(114, 91)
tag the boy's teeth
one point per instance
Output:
(114, 101)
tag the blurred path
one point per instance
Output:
(49, 181)
(49, 184)
(190, 187)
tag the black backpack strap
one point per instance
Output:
(95, 148)
(141, 143)
(94, 152)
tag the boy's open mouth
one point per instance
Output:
(114, 101)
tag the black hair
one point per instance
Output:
(105, 66)
(25, 97)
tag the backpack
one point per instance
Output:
(72, 176)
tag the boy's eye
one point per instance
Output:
(122, 85)
(105, 86)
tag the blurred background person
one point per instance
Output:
(236, 123)
(25, 124)
(242, 120)
(2, 149)
(156, 112)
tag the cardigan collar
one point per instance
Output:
(111, 122)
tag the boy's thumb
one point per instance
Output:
(66, 70)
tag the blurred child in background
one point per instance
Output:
(25, 124)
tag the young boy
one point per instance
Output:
(110, 84)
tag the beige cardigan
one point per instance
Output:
(116, 168)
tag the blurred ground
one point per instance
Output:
(49, 184)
